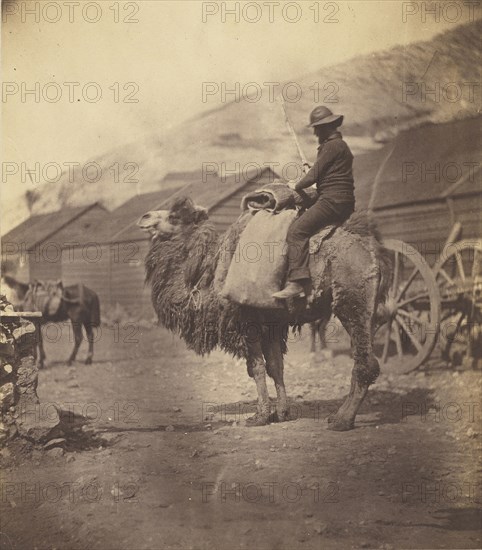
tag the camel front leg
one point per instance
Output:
(257, 370)
(344, 418)
(366, 368)
(365, 372)
(275, 366)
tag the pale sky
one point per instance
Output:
(168, 54)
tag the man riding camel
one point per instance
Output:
(332, 173)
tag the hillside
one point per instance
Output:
(367, 89)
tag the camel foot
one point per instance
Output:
(340, 424)
(70, 363)
(88, 361)
(258, 420)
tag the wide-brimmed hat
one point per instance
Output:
(323, 115)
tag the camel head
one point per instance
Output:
(165, 224)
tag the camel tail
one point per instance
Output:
(386, 273)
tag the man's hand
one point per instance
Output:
(292, 185)
(306, 167)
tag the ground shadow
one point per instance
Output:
(387, 407)
(454, 519)
(78, 433)
(77, 363)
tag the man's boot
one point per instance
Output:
(291, 290)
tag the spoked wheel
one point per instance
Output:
(409, 320)
(459, 277)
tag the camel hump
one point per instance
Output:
(359, 223)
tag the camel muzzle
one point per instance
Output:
(156, 223)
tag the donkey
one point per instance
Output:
(57, 303)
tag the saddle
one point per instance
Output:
(73, 294)
(276, 197)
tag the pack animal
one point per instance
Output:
(58, 304)
(181, 266)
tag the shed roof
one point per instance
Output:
(430, 163)
(37, 229)
(208, 194)
(82, 227)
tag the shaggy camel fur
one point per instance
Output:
(350, 280)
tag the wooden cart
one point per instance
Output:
(426, 200)
(426, 304)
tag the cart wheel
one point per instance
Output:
(408, 322)
(459, 277)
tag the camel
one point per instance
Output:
(351, 279)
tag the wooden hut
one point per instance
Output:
(33, 249)
(431, 180)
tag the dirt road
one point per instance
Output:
(156, 456)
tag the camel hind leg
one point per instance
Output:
(356, 309)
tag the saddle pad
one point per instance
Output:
(74, 294)
(258, 266)
(317, 240)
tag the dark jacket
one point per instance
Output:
(332, 171)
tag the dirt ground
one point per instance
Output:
(155, 455)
